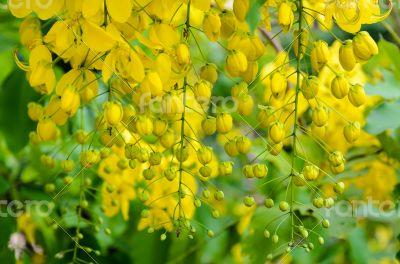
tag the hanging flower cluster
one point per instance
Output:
(136, 103)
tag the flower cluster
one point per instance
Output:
(129, 84)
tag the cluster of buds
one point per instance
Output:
(147, 139)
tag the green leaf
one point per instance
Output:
(8, 226)
(358, 247)
(387, 57)
(253, 16)
(392, 53)
(391, 143)
(254, 245)
(4, 186)
(388, 88)
(7, 65)
(14, 121)
(383, 117)
(396, 192)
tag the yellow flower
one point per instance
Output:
(225, 168)
(118, 187)
(278, 83)
(350, 15)
(182, 54)
(85, 82)
(161, 211)
(144, 125)
(251, 73)
(236, 63)
(41, 74)
(125, 63)
(320, 116)
(245, 105)
(357, 95)
(47, 129)
(251, 46)
(364, 46)
(266, 116)
(70, 100)
(67, 165)
(202, 91)
(346, 56)
(310, 87)
(171, 105)
(89, 158)
(30, 31)
(276, 132)
(209, 125)
(243, 144)
(224, 123)
(228, 23)
(113, 113)
(239, 89)
(209, 73)
(203, 5)
(285, 16)
(54, 111)
(319, 55)
(35, 111)
(163, 66)
(152, 84)
(204, 155)
(160, 126)
(310, 172)
(119, 10)
(352, 132)
(212, 26)
(96, 37)
(162, 36)
(230, 148)
(240, 8)
(339, 87)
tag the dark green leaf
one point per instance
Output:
(4, 186)
(391, 143)
(14, 121)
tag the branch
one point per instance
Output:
(276, 44)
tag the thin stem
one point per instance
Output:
(296, 102)
(182, 137)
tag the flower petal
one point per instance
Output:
(91, 7)
(119, 10)
(95, 37)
